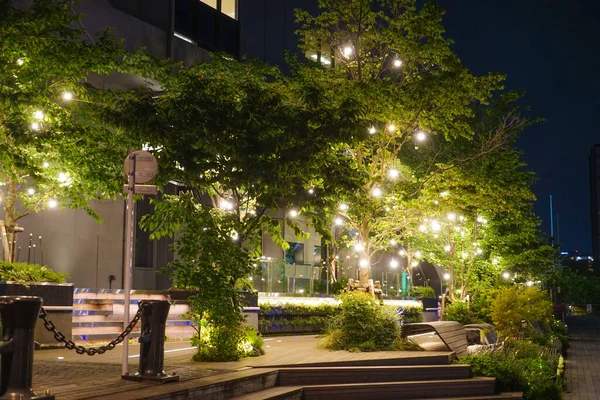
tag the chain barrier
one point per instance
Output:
(90, 351)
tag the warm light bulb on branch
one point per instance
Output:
(52, 203)
(393, 173)
(38, 114)
(67, 96)
(347, 51)
(376, 192)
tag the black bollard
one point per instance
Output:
(152, 343)
(19, 315)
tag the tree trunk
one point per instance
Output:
(9, 240)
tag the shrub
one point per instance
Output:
(520, 366)
(421, 291)
(459, 311)
(23, 273)
(363, 325)
(226, 343)
(513, 304)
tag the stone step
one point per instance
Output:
(479, 386)
(341, 375)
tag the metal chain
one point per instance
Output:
(90, 351)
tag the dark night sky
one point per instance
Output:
(551, 50)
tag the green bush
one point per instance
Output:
(421, 291)
(363, 325)
(459, 311)
(223, 343)
(24, 273)
(520, 366)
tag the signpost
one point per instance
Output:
(139, 167)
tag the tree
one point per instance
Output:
(52, 137)
(241, 141)
(395, 59)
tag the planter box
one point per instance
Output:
(57, 301)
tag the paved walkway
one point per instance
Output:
(69, 375)
(582, 375)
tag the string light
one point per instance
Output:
(417, 254)
(293, 213)
(52, 203)
(394, 263)
(435, 226)
(376, 192)
(451, 217)
(226, 205)
(447, 247)
(20, 61)
(402, 253)
(311, 191)
(31, 191)
(67, 96)
(343, 206)
(339, 221)
(421, 136)
(391, 127)
(506, 275)
(397, 63)
(38, 114)
(35, 126)
(372, 130)
(347, 51)
(363, 263)
(393, 173)
(45, 164)
(358, 247)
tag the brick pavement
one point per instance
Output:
(582, 374)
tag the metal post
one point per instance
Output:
(128, 259)
(19, 316)
(152, 343)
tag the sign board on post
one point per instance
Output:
(146, 166)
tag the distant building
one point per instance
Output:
(595, 202)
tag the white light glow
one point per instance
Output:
(347, 51)
(422, 228)
(393, 263)
(478, 251)
(451, 217)
(421, 136)
(464, 255)
(444, 194)
(52, 203)
(393, 173)
(530, 283)
(393, 242)
(343, 206)
(376, 192)
(311, 191)
(35, 126)
(414, 263)
(358, 247)
(435, 226)
(38, 114)
(446, 276)
(363, 263)
(392, 128)
(417, 254)
(46, 164)
(339, 221)
(480, 220)
(447, 247)
(495, 261)
(372, 130)
(62, 177)
(397, 63)
(19, 61)
(506, 275)
(67, 96)
(293, 213)
(31, 191)
(226, 205)
(402, 253)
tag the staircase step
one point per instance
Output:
(341, 375)
(479, 386)
(499, 396)
(423, 358)
(274, 393)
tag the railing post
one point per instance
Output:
(19, 315)
(152, 343)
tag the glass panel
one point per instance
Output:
(212, 3)
(228, 8)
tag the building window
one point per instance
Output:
(295, 253)
(228, 7)
(212, 3)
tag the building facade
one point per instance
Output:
(595, 202)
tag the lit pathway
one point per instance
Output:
(582, 375)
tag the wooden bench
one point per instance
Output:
(452, 334)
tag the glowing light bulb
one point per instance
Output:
(347, 51)
(447, 247)
(67, 96)
(376, 192)
(293, 213)
(506, 275)
(31, 191)
(464, 255)
(393, 242)
(363, 263)
(422, 228)
(19, 61)
(393, 173)
(38, 114)
(62, 177)
(397, 63)
(339, 221)
(358, 247)
(435, 226)
(451, 217)
(417, 254)
(495, 261)
(343, 206)
(393, 263)
(46, 164)
(391, 127)
(446, 276)
(35, 126)
(421, 136)
(414, 263)
(52, 203)
(402, 253)
(311, 191)
(372, 130)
